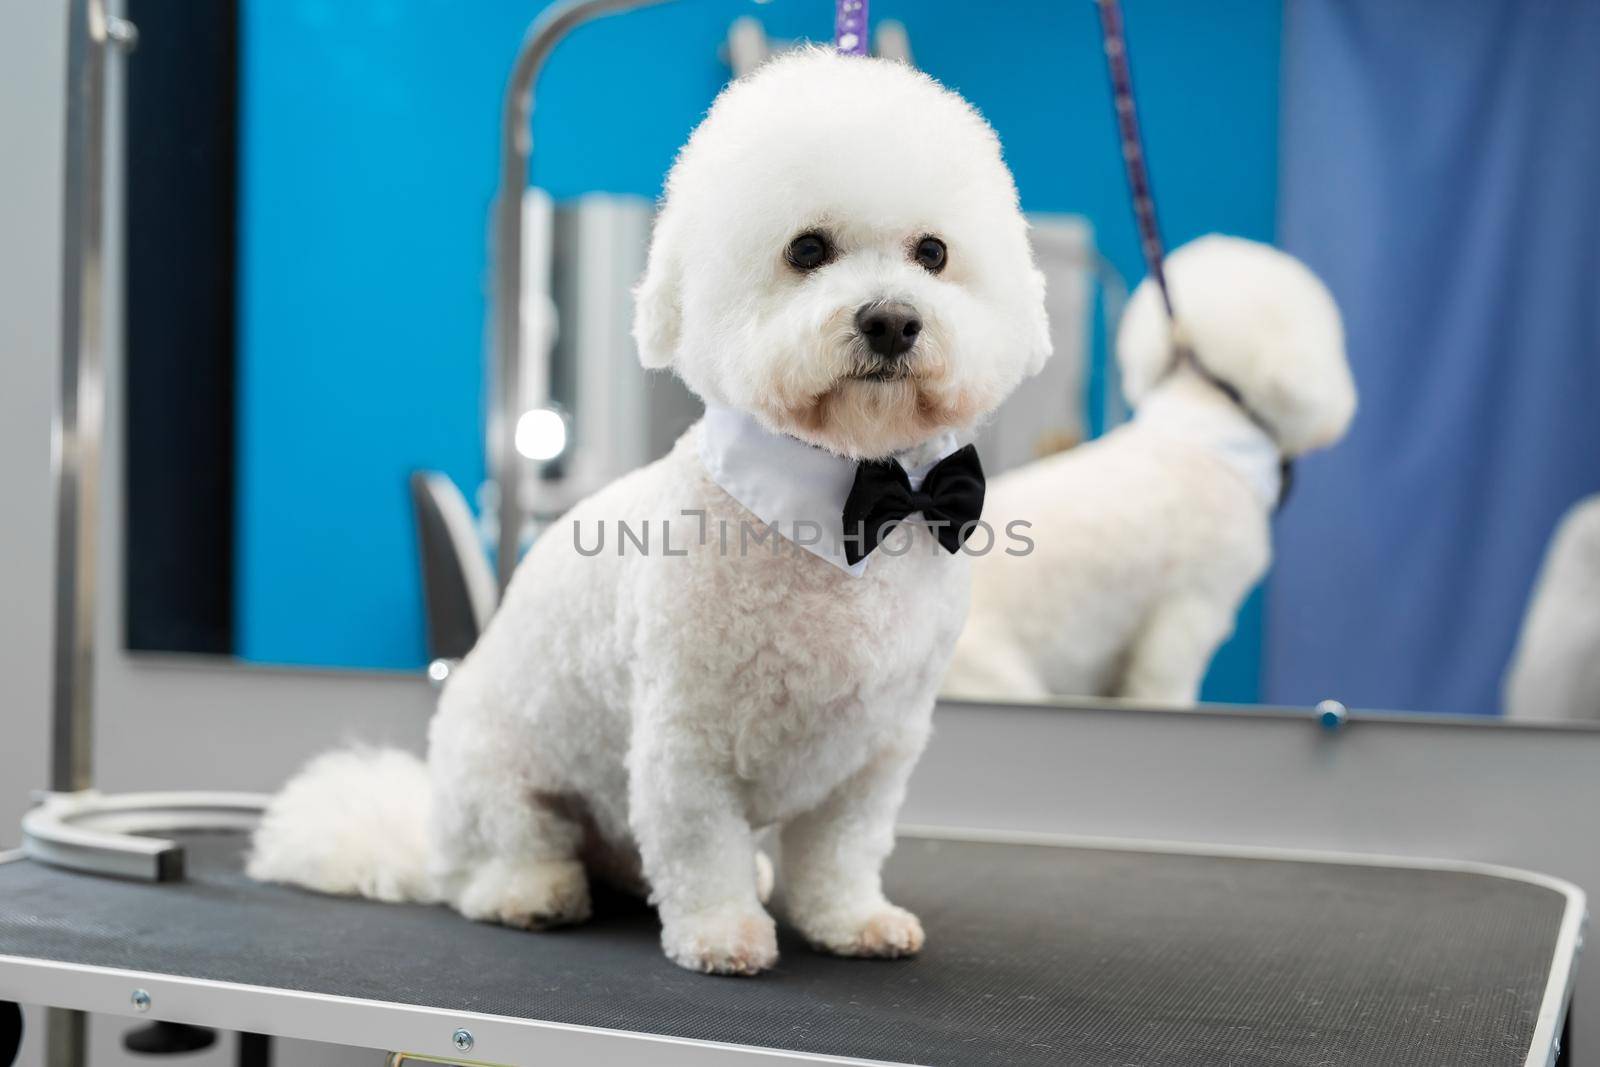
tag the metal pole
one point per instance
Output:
(516, 149)
(66, 1038)
(76, 432)
(75, 438)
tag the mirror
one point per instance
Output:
(310, 404)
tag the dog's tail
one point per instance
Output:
(352, 822)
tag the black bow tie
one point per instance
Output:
(951, 500)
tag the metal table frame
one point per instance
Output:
(455, 1037)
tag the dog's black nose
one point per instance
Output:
(890, 329)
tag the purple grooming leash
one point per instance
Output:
(850, 27)
(1144, 212)
(1144, 205)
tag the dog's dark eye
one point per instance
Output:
(930, 252)
(809, 251)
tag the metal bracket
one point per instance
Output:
(747, 45)
(99, 834)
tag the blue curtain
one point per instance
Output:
(1441, 170)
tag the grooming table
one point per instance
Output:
(1039, 952)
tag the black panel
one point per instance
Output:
(452, 623)
(1036, 956)
(182, 93)
(10, 1032)
(168, 1039)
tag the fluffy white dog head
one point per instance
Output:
(1260, 320)
(840, 253)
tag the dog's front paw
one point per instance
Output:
(885, 932)
(530, 895)
(722, 941)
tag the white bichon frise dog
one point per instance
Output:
(841, 271)
(1146, 541)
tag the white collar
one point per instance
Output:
(797, 489)
(1193, 412)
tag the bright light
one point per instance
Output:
(541, 434)
(439, 670)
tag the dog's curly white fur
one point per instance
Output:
(1146, 541)
(639, 717)
(1555, 669)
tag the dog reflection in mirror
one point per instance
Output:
(841, 263)
(1147, 540)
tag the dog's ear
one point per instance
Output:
(1040, 346)
(658, 301)
(1144, 342)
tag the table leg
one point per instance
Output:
(66, 1038)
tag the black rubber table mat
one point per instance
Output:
(1036, 955)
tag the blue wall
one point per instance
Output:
(368, 167)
